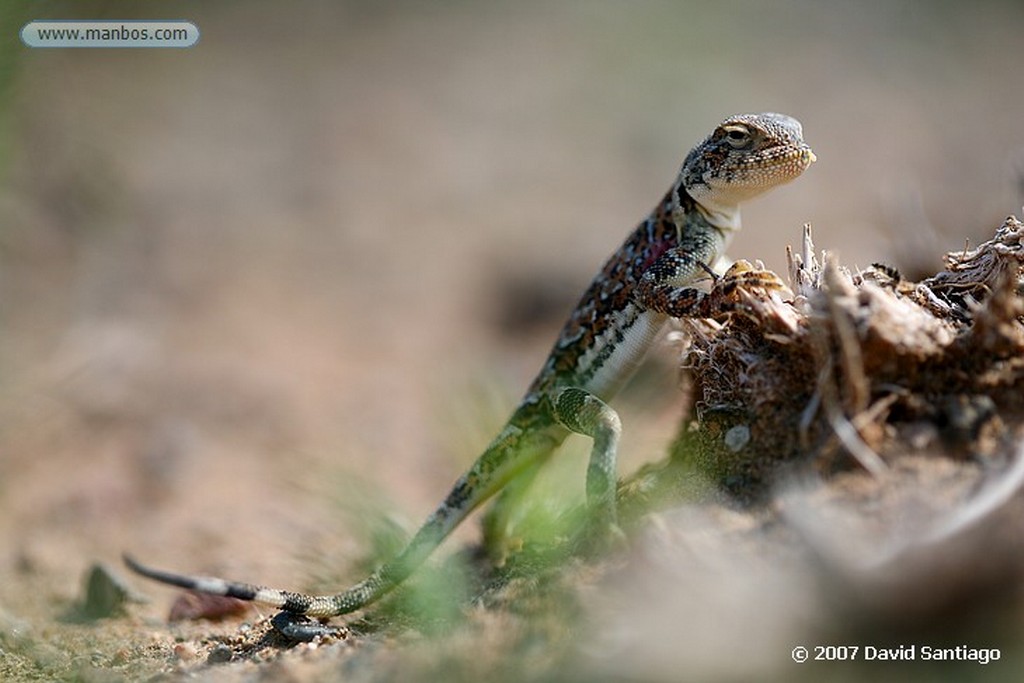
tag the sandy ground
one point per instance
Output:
(250, 290)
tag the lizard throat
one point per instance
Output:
(723, 217)
(726, 219)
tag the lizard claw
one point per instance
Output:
(739, 266)
(743, 276)
(715, 277)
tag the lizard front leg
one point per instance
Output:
(500, 519)
(659, 287)
(664, 286)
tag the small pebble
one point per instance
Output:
(219, 654)
(186, 653)
(737, 437)
(302, 629)
(190, 606)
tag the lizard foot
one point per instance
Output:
(600, 535)
(727, 292)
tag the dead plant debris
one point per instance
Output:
(860, 367)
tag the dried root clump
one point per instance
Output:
(859, 368)
(897, 409)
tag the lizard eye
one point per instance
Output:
(738, 136)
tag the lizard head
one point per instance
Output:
(746, 155)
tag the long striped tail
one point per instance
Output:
(380, 582)
(508, 455)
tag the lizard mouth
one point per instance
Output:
(776, 166)
(802, 155)
(791, 162)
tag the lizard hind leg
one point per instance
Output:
(584, 413)
(500, 520)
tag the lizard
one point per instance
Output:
(651, 278)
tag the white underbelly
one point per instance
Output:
(625, 356)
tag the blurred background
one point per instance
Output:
(324, 250)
